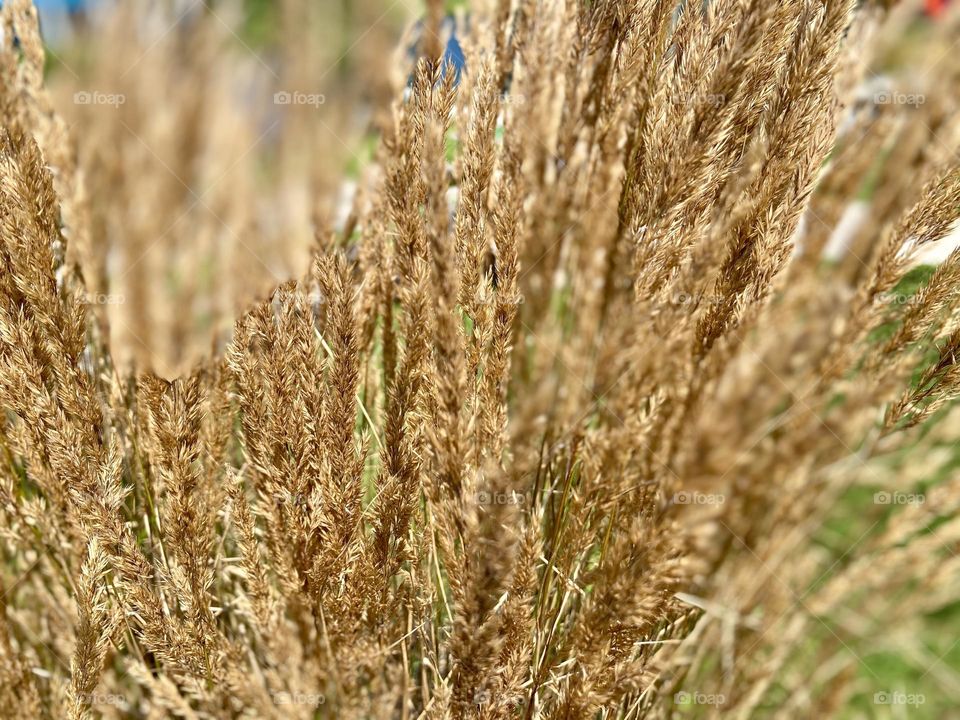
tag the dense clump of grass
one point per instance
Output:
(553, 423)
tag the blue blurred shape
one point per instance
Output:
(68, 5)
(453, 55)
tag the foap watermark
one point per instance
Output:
(515, 299)
(697, 99)
(88, 298)
(287, 498)
(898, 498)
(891, 97)
(95, 97)
(485, 697)
(299, 98)
(690, 497)
(299, 698)
(896, 697)
(895, 299)
(694, 299)
(698, 698)
(684, 298)
(99, 698)
(513, 99)
(500, 498)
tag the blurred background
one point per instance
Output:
(221, 138)
(218, 140)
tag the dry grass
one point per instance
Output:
(554, 421)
